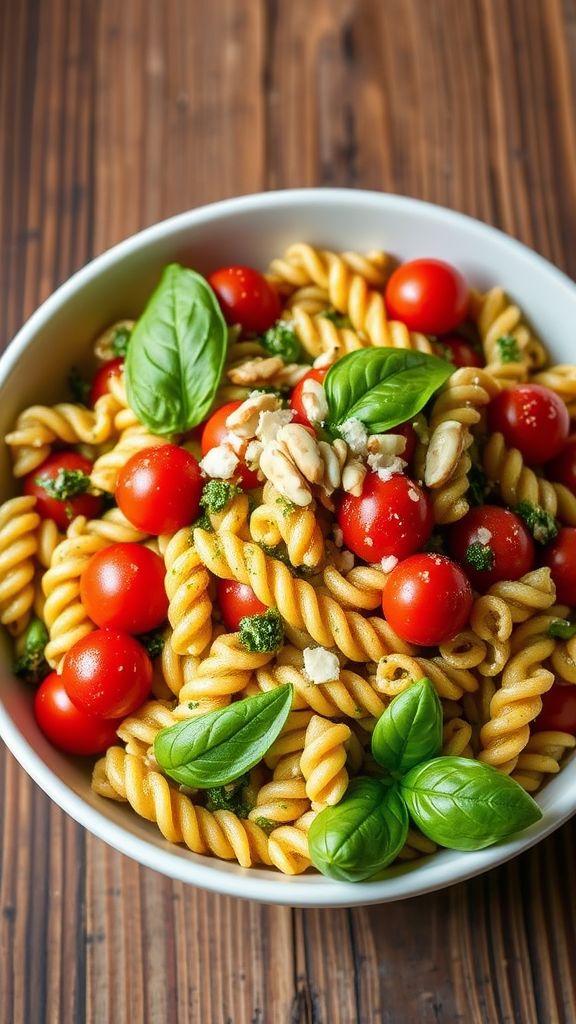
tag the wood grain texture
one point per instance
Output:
(113, 115)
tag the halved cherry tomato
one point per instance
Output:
(296, 397)
(427, 599)
(561, 557)
(500, 542)
(113, 368)
(558, 710)
(68, 727)
(428, 295)
(562, 469)
(390, 517)
(237, 600)
(246, 297)
(533, 419)
(54, 472)
(107, 674)
(159, 489)
(122, 587)
(458, 351)
(215, 433)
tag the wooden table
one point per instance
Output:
(117, 114)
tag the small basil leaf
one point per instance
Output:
(176, 353)
(382, 387)
(362, 834)
(466, 805)
(410, 730)
(217, 748)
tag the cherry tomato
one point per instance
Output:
(561, 557)
(562, 469)
(390, 517)
(427, 295)
(246, 298)
(102, 377)
(500, 538)
(533, 419)
(122, 587)
(296, 397)
(159, 489)
(68, 727)
(237, 600)
(558, 710)
(54, 471)
(427, 599)
(215, 432)
(458, 351)
(107, 674)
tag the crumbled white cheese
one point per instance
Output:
(413, 495)
(320, 665)
(355, 434)
(345, 561)
(386, 466)
(235, 442)
(484, 536)
(388, 563)
(270, 423)
(369, 542)
(338, 536)
(220, 462)
(253, 453)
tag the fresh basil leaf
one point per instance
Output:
(466, 805)
(382, 387)
(410, 730)
(362, 834)
(176, 353)
(217, 748)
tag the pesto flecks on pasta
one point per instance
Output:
(309, 540)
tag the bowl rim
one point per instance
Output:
(179, 863)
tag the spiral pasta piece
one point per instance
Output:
(323, 761)
(39, 426)
(280, 801)
(563, 660)
(449, 502)
(361, 587)
(19, 524)
(318, 334)
(542, 757)
(303, 265)
(466, 392)
(288, 846)
(277, 520)
(283, 757)
(395, 672)
(190, 608)
(416, 846)
(103, 346)
(139, 730)
(233, 518)
(107, 467)
(496, 318)
(456, 738)
(533, 592)
(517, 482)
(516, 704)
(351, 696)
(220, 833)
(225, 671)
(297, 601)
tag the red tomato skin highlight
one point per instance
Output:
(384, 520)
(532, 419)
(159, 489)
(214, 434)
(511, 544)
(237, 600)
(246, 297)
(62, 512)
(427, 599)
(562, 469)
(107, 674)
(102, 377)
(427, 295)
(560, 556)
(558, 710)
(296, 397)
(68, 727)
(122, 587)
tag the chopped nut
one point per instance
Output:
(314, 400)
(290, 375)
(278, 467)
(353, 476)
(446, 446)
(270, 423)
(258, 369)
(386, 444)
(326, 359)
(332, 466)
(303, 449)
(244, 420)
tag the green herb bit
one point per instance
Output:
(120, 340)
(216, 494)
(508, 349)
(338, 319)
(478, 485)
(79, 386)
(281, 340)
(68, 483)
(480, 557)
(153, 642)
(541, 524)
(202, 523)
(262, 634)
(32, 665)
(231, 797)
(561, 629)
(266, 825)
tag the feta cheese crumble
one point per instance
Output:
(355, 434)
(484, 536)
(320, 665)
(388, 563)
(220, 462)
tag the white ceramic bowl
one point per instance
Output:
(251, 230)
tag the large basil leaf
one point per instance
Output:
(362, 834)
(176, 353)
(410, 730)
(382, 386)
(217, 748)
(466, 805)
